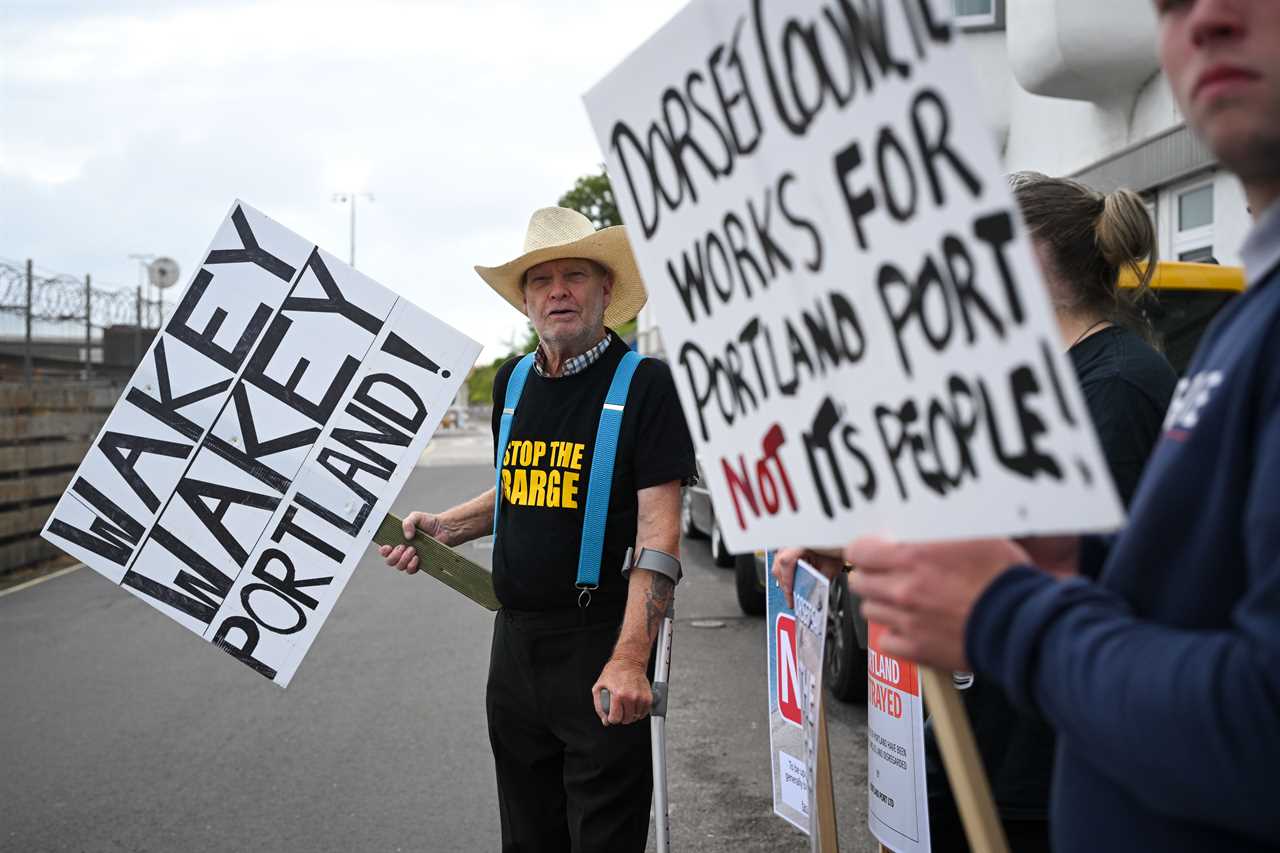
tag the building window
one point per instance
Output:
(979, 14)
(1195, 208)
(1193, 223)
(1203, 255)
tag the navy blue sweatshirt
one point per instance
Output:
(1162, 679)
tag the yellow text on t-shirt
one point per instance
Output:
(543, 474)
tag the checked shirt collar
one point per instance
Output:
(577, 364)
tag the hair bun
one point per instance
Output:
(1088, 237)
(1124, 230)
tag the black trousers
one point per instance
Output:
(946, 831)
(565, 782)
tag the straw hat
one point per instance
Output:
(558, 232)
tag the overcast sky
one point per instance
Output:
(129, 127)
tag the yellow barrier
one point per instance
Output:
(1182, 275)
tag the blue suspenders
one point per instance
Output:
(602, 461)
(515, 387)
(602, 458)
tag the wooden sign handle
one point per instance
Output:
(964, 768)
(824, 789)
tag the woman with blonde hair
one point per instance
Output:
(1082, 239)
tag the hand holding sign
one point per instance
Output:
(785, 562)
(922, 594)
(435, 559)
(402, 557)
(1057, 555)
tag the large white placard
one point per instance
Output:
(845, 290)
(257, 448)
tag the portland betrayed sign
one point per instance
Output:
(843, 285)
(253, 454)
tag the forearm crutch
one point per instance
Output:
(658, 732)
(668, 566)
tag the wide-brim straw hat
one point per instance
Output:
(558, 232)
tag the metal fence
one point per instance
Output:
(53, 323)
(66, 347)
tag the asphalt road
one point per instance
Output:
(121, 731)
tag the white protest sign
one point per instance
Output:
(898, 802)
(859, 335)
(791, 780)
(256, 449)
(809, 592)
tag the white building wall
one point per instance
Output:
(1073, 95)
(1233, 218)
(1069, 83)
(991, 66)
(1154, 109)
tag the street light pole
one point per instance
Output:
(143, 258)
(351, 197)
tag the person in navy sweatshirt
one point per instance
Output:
(1162, 678)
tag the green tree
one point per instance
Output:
(480, 382)
(592, 196)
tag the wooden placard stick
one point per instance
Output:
(824, 789)
(442, 563)
(968, 779)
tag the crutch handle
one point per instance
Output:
(659, 707)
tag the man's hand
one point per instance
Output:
(829, 563)
(649, 596)
(630, 696)
(923, 594)
(1057, 555)
(402, 557)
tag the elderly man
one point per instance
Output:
(570, 776)
(1163, 678)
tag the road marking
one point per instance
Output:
(59, 573)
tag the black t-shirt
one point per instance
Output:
(1127, 387)
(547, 474)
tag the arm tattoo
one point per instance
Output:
(657, 601)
